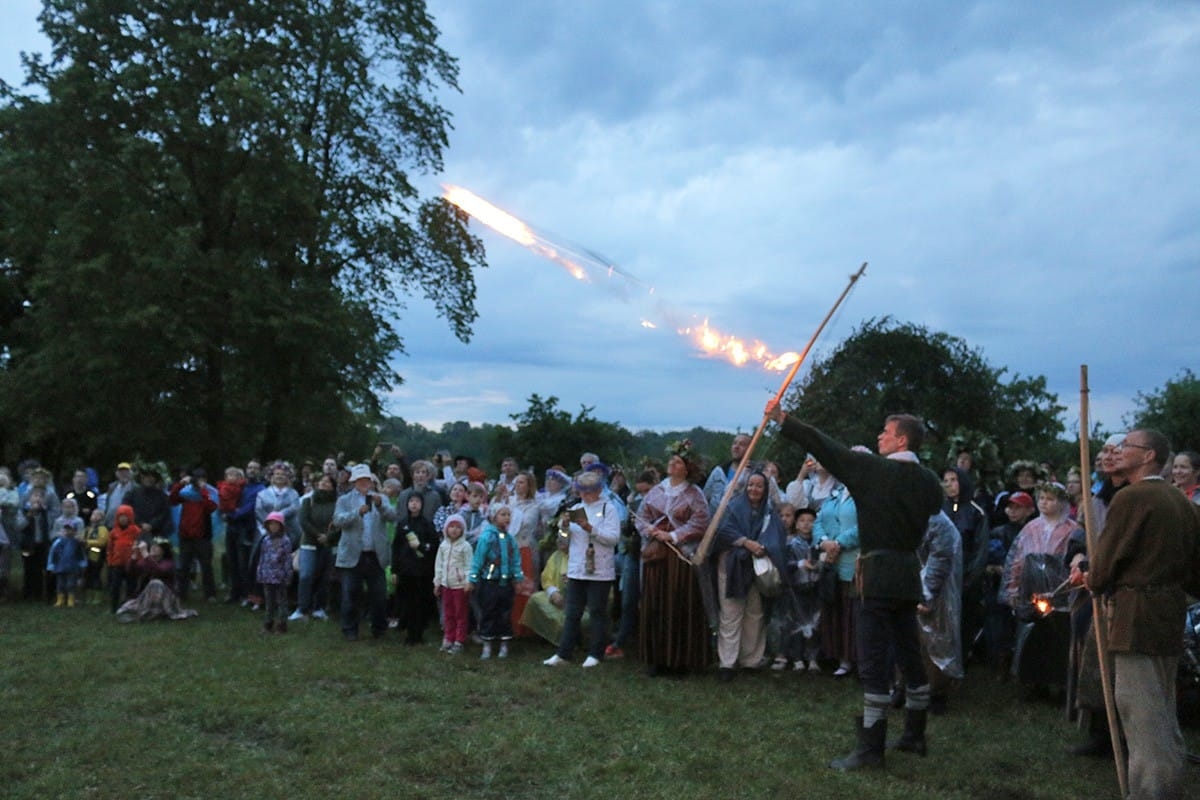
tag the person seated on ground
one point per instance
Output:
(153, 567)
(545, 612)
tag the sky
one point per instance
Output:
(1024, 176)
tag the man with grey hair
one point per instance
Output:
(1144, 563)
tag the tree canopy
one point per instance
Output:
(888, 367)
(208, 229)
(1173, 409)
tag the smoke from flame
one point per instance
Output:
(578, 261)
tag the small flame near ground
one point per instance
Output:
(710, 340)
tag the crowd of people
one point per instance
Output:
(861, 565)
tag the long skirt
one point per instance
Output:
(673, 628)
(838, 628)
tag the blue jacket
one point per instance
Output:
(66, 556)
(496, 557)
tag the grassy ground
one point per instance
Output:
(212, 708)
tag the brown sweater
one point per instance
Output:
(1145, 559)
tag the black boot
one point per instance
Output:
(1098, 743)
(913, 738)
(869, 750)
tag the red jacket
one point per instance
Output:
(121, 539)
(195, 518)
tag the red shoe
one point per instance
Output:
(612, 651)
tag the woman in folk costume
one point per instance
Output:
(673, 626)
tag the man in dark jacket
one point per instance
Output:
(151, 509)
(895, 497)
(1144, 562)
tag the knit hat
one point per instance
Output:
(457, 519)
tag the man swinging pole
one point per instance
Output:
(895, 496)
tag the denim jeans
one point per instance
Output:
(592, 595)
(631, 585)
(314, 578)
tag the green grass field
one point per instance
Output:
(212, 708)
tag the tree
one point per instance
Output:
(207, 227)
(545, 436)
(1174, 410)
(886, 367)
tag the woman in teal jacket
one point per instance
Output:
(835, 532)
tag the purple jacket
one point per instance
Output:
(275, 560)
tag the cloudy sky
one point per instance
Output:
(1022, 176)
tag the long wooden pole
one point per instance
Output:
(1085, 469)
(706, 542)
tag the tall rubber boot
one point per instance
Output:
(913, 738)
(70, 601)
(868, 753)
(61, 601)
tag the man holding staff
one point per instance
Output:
(895, 497)
(1146, 557)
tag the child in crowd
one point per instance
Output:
(275, 571)
(804, 573)
(121, 539)
(67, 561)
(476, 512)
(413, 551)
(451, 567)
(95, 540)
(495, 570)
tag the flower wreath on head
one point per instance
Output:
(682, 448)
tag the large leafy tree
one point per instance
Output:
(1173, 409)
(887, 367)
(546, 435)
(208, 228)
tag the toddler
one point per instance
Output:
(67, 561)
(275, 571)
(451, 567)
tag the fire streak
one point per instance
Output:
(577, 261)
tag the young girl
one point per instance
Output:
(413, 552)
(95, 540)
(275, 571)
(67, 561)
(120, 548)
(495, 568)
(451, 567)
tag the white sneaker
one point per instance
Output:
(591, 661)
(297, 615)
(779, 663)
(320, 614)
(555, 661)
(813, 666)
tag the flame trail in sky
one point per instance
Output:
(582, 264)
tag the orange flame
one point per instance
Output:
(708, 339)
(507, 225)
(737, 351)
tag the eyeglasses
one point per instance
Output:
(1123, 445)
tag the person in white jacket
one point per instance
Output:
(451, 566)
(594, 527)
